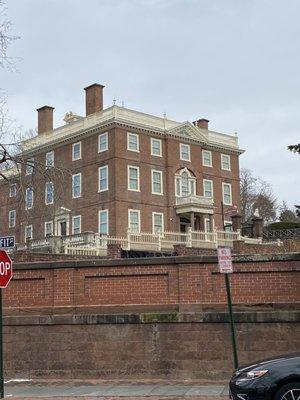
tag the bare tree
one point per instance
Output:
(6, 131)
(248, 192)
(256, 194)
(6, 38)
(13, 158)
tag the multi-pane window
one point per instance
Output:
(208, 188)
(132, 141)
(29, 166)
(76, 185)
(29, 198)
(185, 183)
(13, 190)
(157, 185)
(28, 232)
(103, 222)
(50, 159)
(103, 178)
(156, 147)
(133, 178)
(76, 224)
(158, 222)
(76, 151)
(12, 219)
(206, 158)
(49, 193)
(185, 152)
(228, 226)
(207, 225)
(48, 228)
(103, 142)
(225, 162)
(227, 197)
(134, 220)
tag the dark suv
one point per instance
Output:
(273, 379)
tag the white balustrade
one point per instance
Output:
(89, 243)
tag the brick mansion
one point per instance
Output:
(115, 169)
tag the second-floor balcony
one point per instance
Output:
(193, 203)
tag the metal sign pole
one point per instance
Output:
(232, 326)
(1, 350)
(229, 305)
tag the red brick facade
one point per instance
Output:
(117, 199)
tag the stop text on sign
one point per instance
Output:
(5, 267)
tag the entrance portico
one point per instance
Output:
(195, 212)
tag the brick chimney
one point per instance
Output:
(202, 123)
(45, 119)
(93, 98)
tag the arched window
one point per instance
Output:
(185, 183)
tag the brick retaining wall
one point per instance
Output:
(183, 282)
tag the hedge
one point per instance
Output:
(276, 226)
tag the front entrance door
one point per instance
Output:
(184, 224)
(62, 227)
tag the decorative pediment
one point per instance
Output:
(188, 130)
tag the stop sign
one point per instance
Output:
(5, 269)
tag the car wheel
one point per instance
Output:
(291, 391)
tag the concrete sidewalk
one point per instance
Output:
(114, 390)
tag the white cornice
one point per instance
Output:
(131, 119)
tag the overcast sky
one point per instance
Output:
(234, 62)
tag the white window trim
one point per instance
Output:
(73, 145)
(31, 229)
(28, 165)
(189, 147)
(45, 225)
(14, 219)
(128, 177)
(49, 166)
(26, 203)
(161, 182)
(212, 187)
(162, 220)
(191, 178)
(46, 202)
(99, 138)
(229, 162)
(99, 219)
(99, 169)
(10, 190)
(203, 163)
(137, 142)
(76, 197)
(139, 218)
(160, 147)
(76, 216)
(227, 223)
(226, 184)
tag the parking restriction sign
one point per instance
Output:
(224, 260)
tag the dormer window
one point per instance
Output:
(185, 183)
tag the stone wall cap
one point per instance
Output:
(177, 260)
